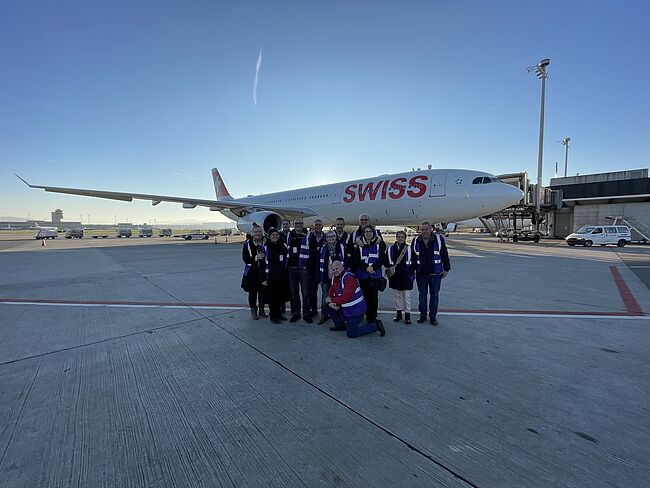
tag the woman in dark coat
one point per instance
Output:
(402, 280)
(369, 256)
(254, 257)
(276, 277)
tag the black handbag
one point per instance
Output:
(379, 283)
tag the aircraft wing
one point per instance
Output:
(237, 207)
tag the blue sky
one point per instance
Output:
(148, 96)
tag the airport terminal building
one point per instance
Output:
(600, 198)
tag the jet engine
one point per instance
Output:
(266, 220)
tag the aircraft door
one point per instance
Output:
(336, 194)
(437, 184)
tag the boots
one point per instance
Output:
(407, 318)
(262, 313)
(254, 315)
(398, 317)
(323, 319)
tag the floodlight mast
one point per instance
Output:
(540, 72)
(565, 143)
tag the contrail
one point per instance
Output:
(188, 176)
(257, 77)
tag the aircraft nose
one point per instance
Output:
(514, 195)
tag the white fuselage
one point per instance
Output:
(403, 199)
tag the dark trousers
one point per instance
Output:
(428, 285)
(299, 283)
(371, 296)
(314, 281)
(351, 324)
(274, 296)
(256, 297)
(324, 287)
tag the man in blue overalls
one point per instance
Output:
(433, 264)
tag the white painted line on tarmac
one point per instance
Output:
(233, 308)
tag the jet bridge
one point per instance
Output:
(523, 215)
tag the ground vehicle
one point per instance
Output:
(124, 232)
(46, 234)
(145, 232)
(588, 235)
(165, 233)
(525, 235)
(74, 233)
(195, 235)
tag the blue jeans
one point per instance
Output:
(351, 324)
(324, 289)
(299, 284)
(428, 284)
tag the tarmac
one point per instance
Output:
(134, 363)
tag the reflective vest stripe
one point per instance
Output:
(357, 305)
(370, 259)
(353, 303)
(395, 249)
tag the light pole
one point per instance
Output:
(565, 143)
(540, 72)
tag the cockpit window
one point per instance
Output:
(481, 180)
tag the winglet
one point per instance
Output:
(23, 180)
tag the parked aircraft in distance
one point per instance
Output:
(403, 199)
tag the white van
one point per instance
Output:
(588, 235)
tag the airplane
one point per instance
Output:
(402, 199)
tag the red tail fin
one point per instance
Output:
(220, 189)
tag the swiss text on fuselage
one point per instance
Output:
(394, 189)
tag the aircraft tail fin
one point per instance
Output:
(220, 189)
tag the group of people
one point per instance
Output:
(290, 265)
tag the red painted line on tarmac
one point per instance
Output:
(241, 305)
(631, 305)
(114, 302)
(533, 312)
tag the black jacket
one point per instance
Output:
(314, 250)
(426, 258)
(276, 264)
(404, 272)
(252, 278)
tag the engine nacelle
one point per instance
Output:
(266, 220)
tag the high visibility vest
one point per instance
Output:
(325, 254)
(437, 260)
(356, 306)
(303, 250)
(369, 256)
(393, 254)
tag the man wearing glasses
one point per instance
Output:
(299, 264)
(355, 237)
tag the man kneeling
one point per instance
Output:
(346, 306)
